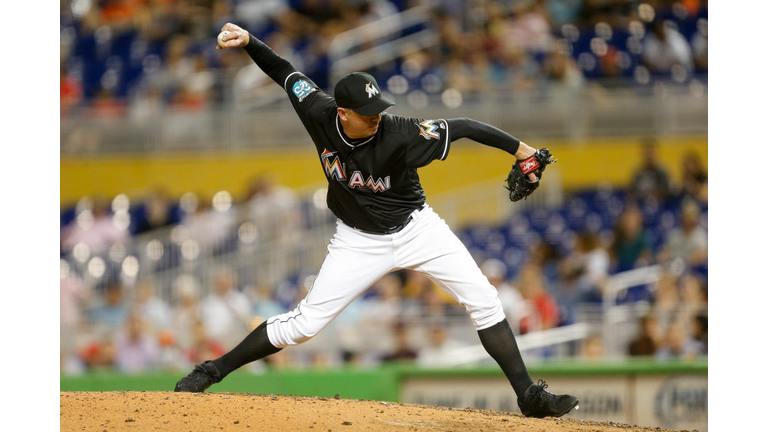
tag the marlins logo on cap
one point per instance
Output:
(361, 93)
(371, 90)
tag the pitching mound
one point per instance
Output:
(108, 411)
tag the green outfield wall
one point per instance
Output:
(382, 383)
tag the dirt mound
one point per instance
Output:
(107, 411)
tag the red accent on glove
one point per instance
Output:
(529, 165)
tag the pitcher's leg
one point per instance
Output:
(439, 254)
(354, 262)
(442, 257)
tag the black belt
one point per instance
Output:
(392, 230)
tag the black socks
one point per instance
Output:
(500, 343)
(254, 347)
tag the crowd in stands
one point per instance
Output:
(133, 57)
(545, 264)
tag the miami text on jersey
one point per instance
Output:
(356, 180)
(427, 129)
(332, 165)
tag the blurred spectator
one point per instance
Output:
(150, 308)
(70, 89)
(563, 11)
(592, 348)
(170, 356)
(403, 350)
(692, 291)
(415, 284)
(544, 307)
(436, 303)
(158, 211)
(664, 48)
(694, 183)
(651, 180)
(547, 256)
(689, 241)
(511, 299)
(667, 299)
(165, 46)
(450, 35)
(700, 331)
(647, 339)
(678, 344)
(94, 227)
(186, 312)
(274, 210)
(385, 306)
(73, 299)
(136, 349)
(106, 105)
(111, 312)
(631, 247)
(255, 14)
(264, 305)
(195, 85)
(700, 45)
(439, 347)
(99, 354)
(225, 312)
(146, 106)
(208, 226)
(528, 26)
(565, 75)
(589, 264)
(692, 295)
(203, 346)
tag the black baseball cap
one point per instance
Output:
(361, 93)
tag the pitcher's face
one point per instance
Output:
(356, 125)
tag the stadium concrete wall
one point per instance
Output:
(581, 164)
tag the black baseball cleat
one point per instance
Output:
(202, 376)
(540, 403)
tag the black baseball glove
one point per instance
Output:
(518, 183)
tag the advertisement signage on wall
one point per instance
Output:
(673, 401)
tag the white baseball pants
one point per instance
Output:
(356, 260)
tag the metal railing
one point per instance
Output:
(381, 41)
(527, 342)
(566, 114)
(620, 321)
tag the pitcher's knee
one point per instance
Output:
(486, 315)
(291, 328)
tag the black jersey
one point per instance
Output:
(372, 182)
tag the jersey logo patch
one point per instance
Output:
(371, 90)
(302, 89)
(332, 166)
(427, 129)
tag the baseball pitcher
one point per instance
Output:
(370, 159)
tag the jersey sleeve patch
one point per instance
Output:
(428, 141)
(429, 130)
(302, 88)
